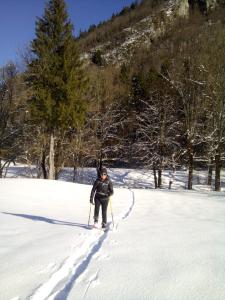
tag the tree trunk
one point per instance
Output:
(190, 165)
(74, 169)
(210, 171)
(171, 178)
(1, 168)
(218, 165)
(74, 173)
(51, 174)
(59, 159)
(43, 165)
(99, 165)
(6, 166)
(159, 178)
(155, 177)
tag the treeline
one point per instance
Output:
(92, 27)
(165, 109)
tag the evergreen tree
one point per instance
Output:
(56, 75)
(97, 58)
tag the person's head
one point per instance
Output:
(103, 173)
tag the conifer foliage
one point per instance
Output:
(56, 75)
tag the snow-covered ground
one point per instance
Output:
(129, 178)
(165, 244)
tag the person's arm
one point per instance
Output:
(93, 191)
(110, 188)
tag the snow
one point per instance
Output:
(165, 244)
(130, 178)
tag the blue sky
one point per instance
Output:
(17, 20)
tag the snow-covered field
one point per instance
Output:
(130, 178)
(165, 244)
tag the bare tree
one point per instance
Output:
(12, 114)
(184, 77)
(157, 144)
(214, 68)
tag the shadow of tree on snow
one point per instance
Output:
(47, 220)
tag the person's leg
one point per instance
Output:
(96, 213)
(104, 204)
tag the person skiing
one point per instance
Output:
(101, 191)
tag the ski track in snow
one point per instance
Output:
(92, 281)
(76, 265)
(126, 214)
(131, 207)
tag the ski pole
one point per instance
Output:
(110, 202)
(89, 215)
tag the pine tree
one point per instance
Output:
(56, 75)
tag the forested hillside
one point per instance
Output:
(149, 93)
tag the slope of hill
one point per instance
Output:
(118, 38)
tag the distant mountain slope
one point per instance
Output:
(142, 24)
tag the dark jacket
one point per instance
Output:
(101, 189)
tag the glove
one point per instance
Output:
(91, 201)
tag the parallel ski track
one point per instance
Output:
(62, 281)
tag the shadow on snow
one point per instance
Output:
(47, 220)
